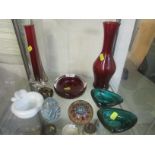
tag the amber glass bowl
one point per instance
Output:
(69, 86)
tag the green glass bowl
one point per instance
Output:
(116, 120)
(104, 98)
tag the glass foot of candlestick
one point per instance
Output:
(43, 88)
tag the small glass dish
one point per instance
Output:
(116, 120)
(80, 112)
(26, 104)
(69, 86)
(105, 98)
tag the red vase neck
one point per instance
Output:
(110, 29)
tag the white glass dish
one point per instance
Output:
(28, 105)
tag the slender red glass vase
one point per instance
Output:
(37, 67)
(104, 66)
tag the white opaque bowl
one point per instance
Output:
(28, 106)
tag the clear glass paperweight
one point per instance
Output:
(50, 110)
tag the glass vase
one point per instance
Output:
(38, 71)
(104, 66)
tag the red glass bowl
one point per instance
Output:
(69, 86)
(80, 112)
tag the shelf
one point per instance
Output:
(10, 124)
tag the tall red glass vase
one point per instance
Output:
(104, 66)
(37, 67)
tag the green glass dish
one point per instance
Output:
(116, 120)
(105, 98)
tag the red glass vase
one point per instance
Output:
(37, 67)
(104, 66)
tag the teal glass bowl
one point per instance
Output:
(116, 120)
(105, 98)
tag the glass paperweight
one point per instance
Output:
(70, 129)
(116, 120)
(80, 112)
(104, 98)
(69, 86)
(50, 110)
(49, 129)
(89, 129)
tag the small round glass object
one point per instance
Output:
(80, 112)
(89, 129)
(70, 129)
(49, 129)
(50, 110)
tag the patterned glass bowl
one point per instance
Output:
(69, 86)
(116, 120)
(80, 112)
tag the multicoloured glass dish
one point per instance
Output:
(80, 112)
